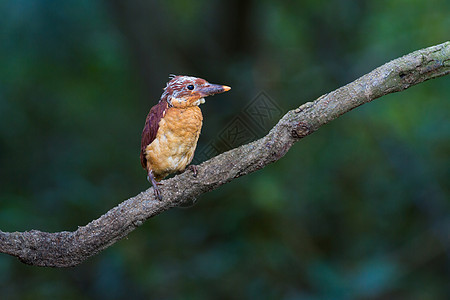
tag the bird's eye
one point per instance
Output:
(190, 87)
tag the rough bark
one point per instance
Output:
(64, 249)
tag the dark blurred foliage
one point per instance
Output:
(358, 210)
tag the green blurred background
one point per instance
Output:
(358, 210)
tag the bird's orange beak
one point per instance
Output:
(212, 89)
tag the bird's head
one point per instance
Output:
(185, 91)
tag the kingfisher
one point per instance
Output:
(172, 127)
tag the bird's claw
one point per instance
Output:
(157, 192)
(155, 184)
(194, 169)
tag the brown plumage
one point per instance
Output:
(172, 127)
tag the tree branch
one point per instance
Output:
(64, 249)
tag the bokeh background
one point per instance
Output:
(358, 210)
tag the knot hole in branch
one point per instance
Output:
(301, 130)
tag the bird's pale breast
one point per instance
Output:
(173, 148)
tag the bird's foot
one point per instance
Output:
(157, 192)
(155, 184)
(194, 169)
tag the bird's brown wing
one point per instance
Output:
(151, 128)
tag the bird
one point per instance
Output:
(173, 126)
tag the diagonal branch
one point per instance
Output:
(64, 249)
